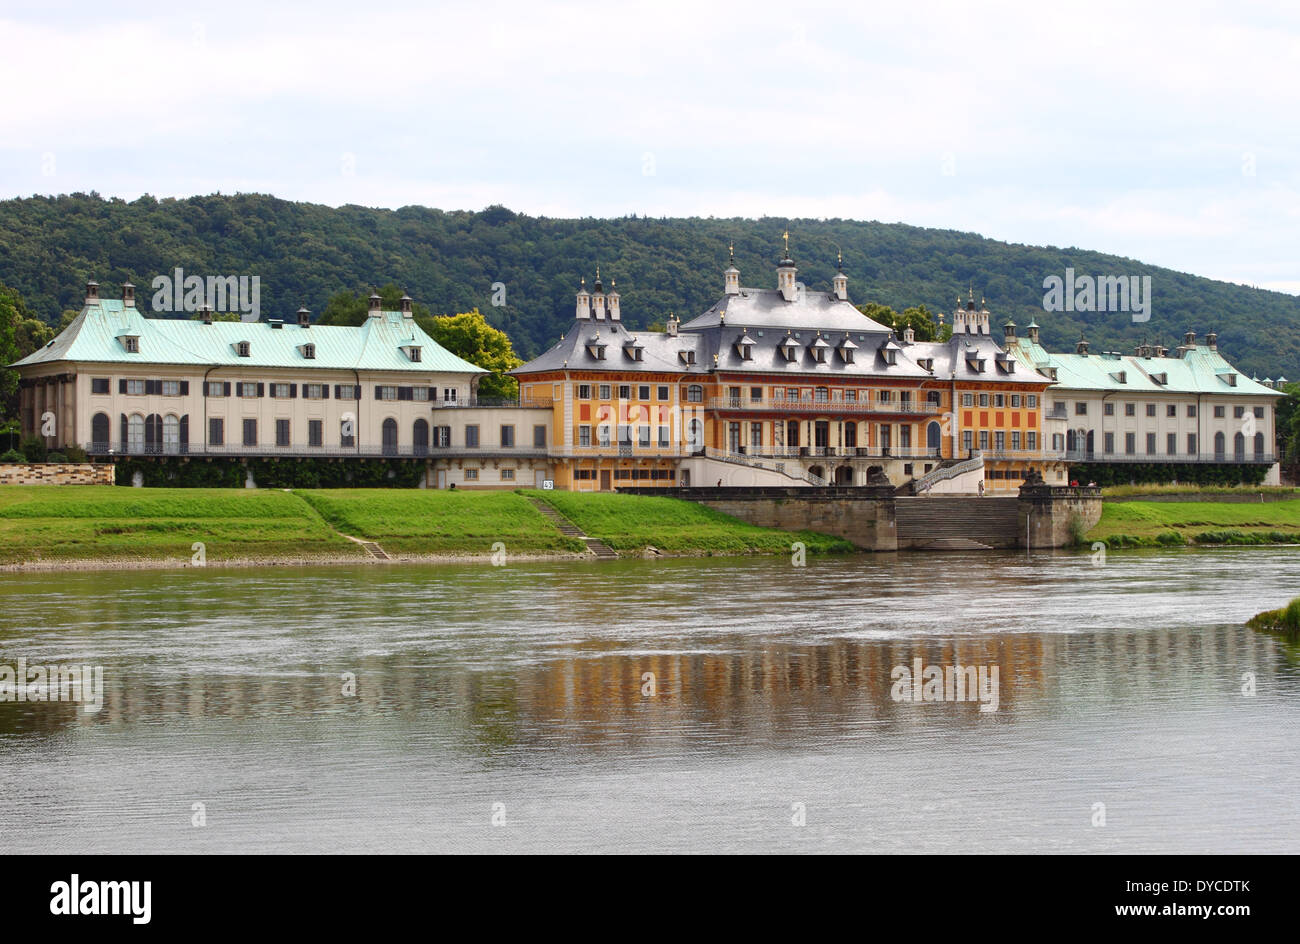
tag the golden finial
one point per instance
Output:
(597, 271)
(839, 257)
(786, 237)
(731, 253)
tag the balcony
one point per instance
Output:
(524, 403)
(838, 452)
(824, 407)
(1246, 458)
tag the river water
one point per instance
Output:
(661, 706)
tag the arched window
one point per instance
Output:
(932, 438)
(695, 394)
(390, 437)
(1218, 445)
(1239, 447)
(99, 432)
(153, 433)
(135, 433)
(1259, 445)
(171, 433)
(420, 437)
(695, 435)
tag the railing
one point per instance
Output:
(1056, 414)
(118, 449)
(1170, 458)
(753, 462)
(842, 452)
(813, 405)
(1023, 453)
(944, 473)
(527, 403)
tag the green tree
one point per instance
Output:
(469, 335)
(350, 307)
(13, 318)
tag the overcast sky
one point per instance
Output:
(1166, 133)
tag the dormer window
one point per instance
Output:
(890, 355)
(131, 343)
(1230, 379)
(745, 347)
(1161, 378)
(309, 351)
(790, 349)
(687, 357)
(633, 351)
(975, 364)
(846, 349)
(413, 352)
(242, 348)
(596, 350)
(1120, 376)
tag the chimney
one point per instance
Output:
(206, 314)
(1189, 339)
(128, 295)
(909, 336)
(671, 327)
(583, 310)
(840, 286)
(92, 292)
(1033, 330)
(1009, 330)
(731, 275)
(612, 301)
(376, 306)
(1212, 340)
(785, 272)
(304, 317)
(1082, 346)
(598, 297)
(407, 311)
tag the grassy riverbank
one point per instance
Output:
(414, 521)
(630, 523)
(1171, 523)
(95, 526)
(48, 523)
(1228, 491)
(1286, 620)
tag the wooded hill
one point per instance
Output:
(450, 260)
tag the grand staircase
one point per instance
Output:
(957, 523)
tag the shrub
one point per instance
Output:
(34, 448)
(13, 455)
(1170, 539)
(76, 454)
(56, 457)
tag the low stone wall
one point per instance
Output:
(863, 515)
(58, 473)
(1243, 497)
(1047, 512)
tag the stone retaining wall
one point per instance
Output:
(58, 473)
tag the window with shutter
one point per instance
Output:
(121, 386)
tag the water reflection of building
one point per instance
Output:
(594, 697)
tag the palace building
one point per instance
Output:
(782, 386)
(1178, 408)
(785, 386)
(117, 383)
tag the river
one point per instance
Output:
(705, 705)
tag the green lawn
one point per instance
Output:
(416, 521)
(70, 522)
(1139, 522)
(632, 522)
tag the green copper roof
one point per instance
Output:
(1197, 369)
(380, 343)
